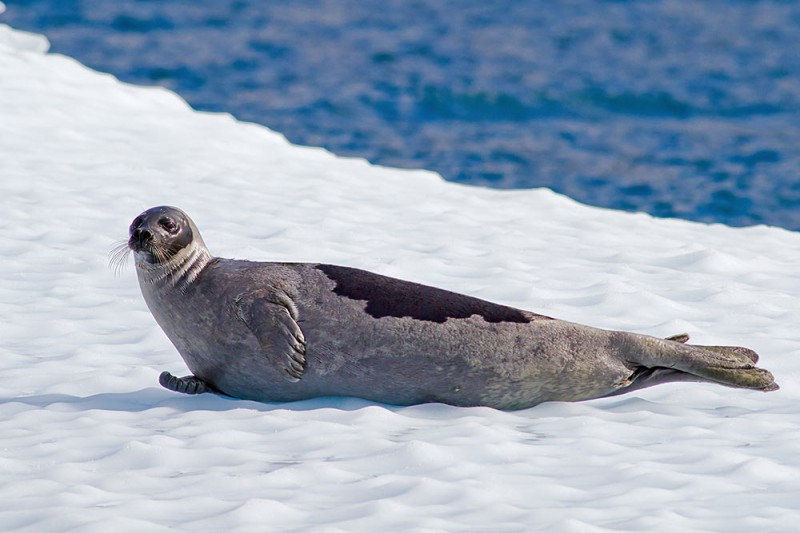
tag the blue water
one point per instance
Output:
(678, 108)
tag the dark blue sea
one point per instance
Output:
(680, 108)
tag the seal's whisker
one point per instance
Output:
(164, 258)
(118, 257)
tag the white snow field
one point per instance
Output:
(89, 441)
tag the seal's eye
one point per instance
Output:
(168, 224)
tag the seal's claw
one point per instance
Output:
(185, 385)
(297, 362)
(298, 353)
(294, 373)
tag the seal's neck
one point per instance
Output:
(180, 270)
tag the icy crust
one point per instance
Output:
(89, 438)
(22, 40)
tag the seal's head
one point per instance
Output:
(167, 245)
(159, 233)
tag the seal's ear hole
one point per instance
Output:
(168, 224)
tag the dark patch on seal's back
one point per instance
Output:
(393, 297)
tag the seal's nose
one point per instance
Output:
(142, 234)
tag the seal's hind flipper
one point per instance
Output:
(747, 352)
(750, 378)
(733, 366)
(731, 351)
(185, 385)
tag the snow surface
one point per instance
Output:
(88, 438)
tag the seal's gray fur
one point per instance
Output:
(290, 331)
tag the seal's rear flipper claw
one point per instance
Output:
(185, 385)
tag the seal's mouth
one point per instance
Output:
(151, 247)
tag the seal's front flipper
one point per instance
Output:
(272, 317)
(186, 384)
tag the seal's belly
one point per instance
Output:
(463, 362)
(403, 360)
